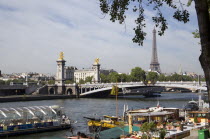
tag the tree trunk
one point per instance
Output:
(201, 7)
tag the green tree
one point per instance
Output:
(51, 82)
(123, 77)
(128, 78)
(18, 80)
(148, 127)
(2, 82)
(162, 77)
(187, 78)
(81, 81)
(176, 77)
(137, 74)
(152, 76)
(89, 79)
(104, 78)
(114, 77)
(69, 82)
(117, 10)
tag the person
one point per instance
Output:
(63, 118)
(71, 130)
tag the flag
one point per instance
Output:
(158, 105)
(114, 90)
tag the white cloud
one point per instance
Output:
(34, 32)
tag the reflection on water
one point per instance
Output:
(76, 109)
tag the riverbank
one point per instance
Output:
(16, 98)
(173, 92)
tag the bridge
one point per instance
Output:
(103, 89)
(99, 89)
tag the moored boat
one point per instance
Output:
(106, 122)
(27, 120)
(152, 94)
(191, 106)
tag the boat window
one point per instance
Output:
(204, 115)
(106, 118)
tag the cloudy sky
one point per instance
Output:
(34, 32)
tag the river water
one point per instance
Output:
(76, 109)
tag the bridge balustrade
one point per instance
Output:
(192, 85)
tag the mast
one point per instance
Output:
(116, 100)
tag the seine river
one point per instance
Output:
(76, 109)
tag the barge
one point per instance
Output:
(35, 119)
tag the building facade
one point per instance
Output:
(72, 73)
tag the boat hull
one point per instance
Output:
(34, 130)
(93, 129)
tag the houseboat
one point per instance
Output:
(27, 120)
(157, 114)
(198, 116)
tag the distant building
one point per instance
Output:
(107, 72)
(192, 74)
(69, 72)
(72, 73)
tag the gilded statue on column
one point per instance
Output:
(97, 61)
(61, 56)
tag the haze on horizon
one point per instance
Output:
(33, 33)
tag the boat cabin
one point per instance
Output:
(110, 119)
(157, 114)
(23, 119)
(201, 116)
(139, 118)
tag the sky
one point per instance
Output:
(34, 32)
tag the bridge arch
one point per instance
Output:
(52, 91)
(69, 91)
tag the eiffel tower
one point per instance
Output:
(154, 65)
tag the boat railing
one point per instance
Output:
(32, 115)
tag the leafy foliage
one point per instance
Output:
(117, 10)
(81, 81)
(148, 127)
(89, 79)
(114, 77)
(138, 74)
(196, 119)
(196, 33)
(152, 76)
(162, 133)
(2, 82)
(104, 78)
(51, 82)
(69, 82)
